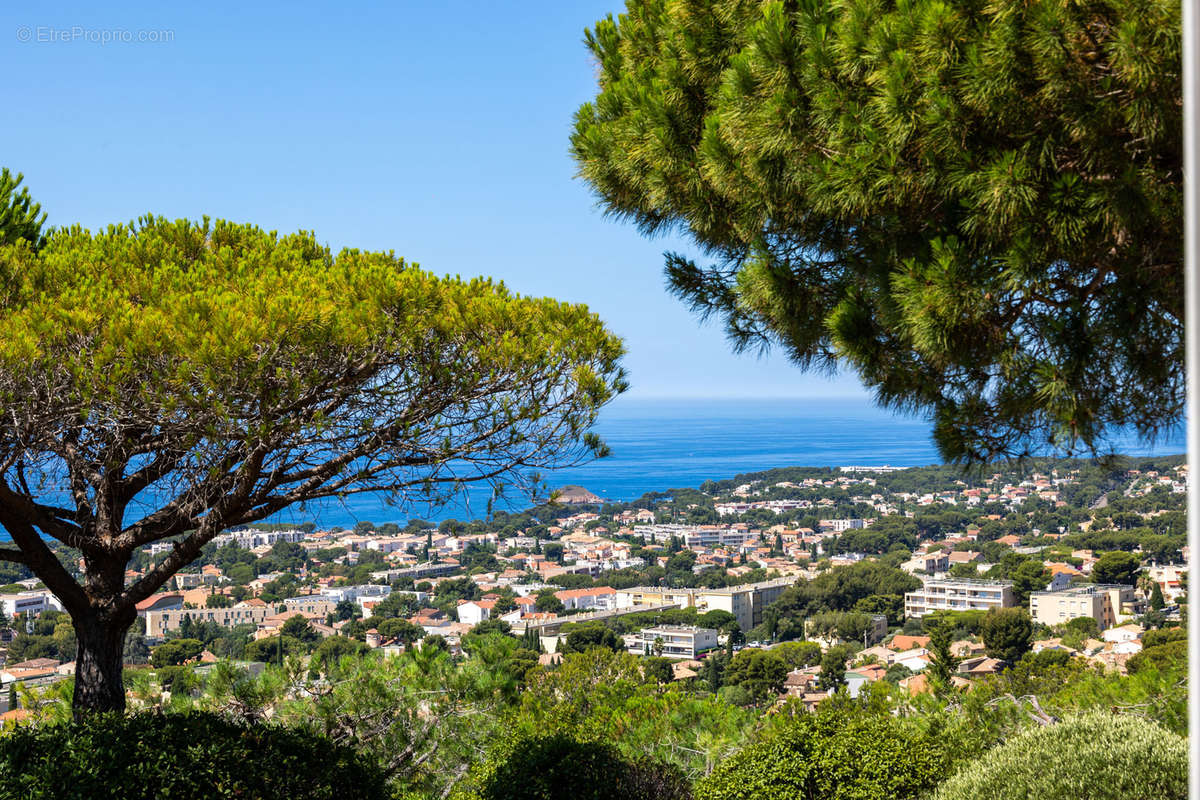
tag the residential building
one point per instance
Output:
(250, 539)
(26, 603)
(673, 641)
(935, 562)
(1170, 579)
(160, 602)
(1108, 604)
(958, 594)
(602, 598)
(158, 622)
(877, 629)
(316, 604)
(362, 594)
(474, 612)
(745, 602)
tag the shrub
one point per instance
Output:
(558, 767)
(1099, 755)
(176, 652)
(1164, 656)
(831, 755)
(183, 757)
(1163, 636)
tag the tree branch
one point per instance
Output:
(15, 556)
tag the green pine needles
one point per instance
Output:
(975, 205)
(168, 380)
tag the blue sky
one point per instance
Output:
(438, 130)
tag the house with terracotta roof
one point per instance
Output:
(600, 598)
(858, 677)
(801, 681)
(159, 602)
(473, 612)
(271, 625)
(903, 641)
(919, 684)
(29, 670)
(979, 666)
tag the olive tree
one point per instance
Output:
(162, 381)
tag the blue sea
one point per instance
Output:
(662, 444)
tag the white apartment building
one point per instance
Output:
(673, 641)
(745, 602)
(960, 594)
(601, 598)
(250, 539)
(842, 525)
(717, 537)
(25, 603)
(370, 592)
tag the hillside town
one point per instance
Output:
(1094, 554)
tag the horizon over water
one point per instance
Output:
(665, 443)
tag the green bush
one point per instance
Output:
(830, 755)
(558, 767)
(182, 757)
(1163, 636)
(1099, 755)
(1164, 656)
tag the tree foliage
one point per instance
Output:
(830, 755)
(1115, 757)
(760, 673)
(20, 217)
(602, 695)
(1007, 633)
(976, 206)
(211, 374)
(558, 767)
(176, 652)
(594, 634)
(186, 756)
(1116, 567)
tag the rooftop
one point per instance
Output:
(966, 582)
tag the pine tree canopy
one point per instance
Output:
(20, 217)
(172, 379)
(975, 204)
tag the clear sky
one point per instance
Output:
(438, 130)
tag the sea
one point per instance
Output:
(660, 444)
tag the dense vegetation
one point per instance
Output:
(974, 205)
(1116, 758)
(191, 756)
(433, 724)
(313, 375)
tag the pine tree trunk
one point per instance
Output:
(98, 684)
